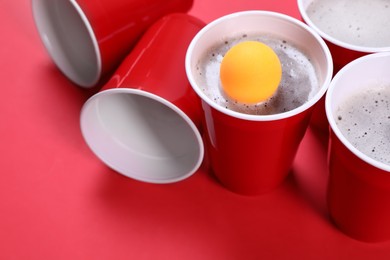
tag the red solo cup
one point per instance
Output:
(87, 39)
(342, 53)
(144, 122)
(359, 186)
(252, 154)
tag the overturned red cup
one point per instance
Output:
(145, 121)
(87, 39)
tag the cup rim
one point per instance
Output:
(249, 117)
(38, 12)
(150, 178)
(332, 121)
(331, 39)
(95, 44)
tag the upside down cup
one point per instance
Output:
(87, 39)
(145, 121)
(252, 154)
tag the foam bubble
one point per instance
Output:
(360, 22)
(364, 119)
(299, 81)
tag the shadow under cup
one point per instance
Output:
(145, 121)
(359, 186)
(252, 154)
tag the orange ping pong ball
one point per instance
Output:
(250, 72)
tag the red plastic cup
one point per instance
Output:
(342, 53)
(145, 121)
(88, 39)
(359, 187)
(253, 154)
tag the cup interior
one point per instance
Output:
(303, 6)
(141, 135)
(357, 76)
(69, 40)
(262, 22)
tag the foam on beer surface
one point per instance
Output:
(250, 72)
(364, 120)
(359, 22)
(298, 84)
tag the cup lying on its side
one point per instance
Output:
(253, 153)
(87, 39)
(145, 121)
(358, 110)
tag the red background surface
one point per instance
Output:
(58, 201)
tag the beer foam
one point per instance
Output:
(299, 81)
(361, 22)
(364, 120)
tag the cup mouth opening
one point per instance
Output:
(327, 70)
(330, 108)
(69, 39)
(364, 49)
(141, 135)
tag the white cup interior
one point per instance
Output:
(303, 5)
(370, 70)
(266, 22)
(141, 135)
(69, 39)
